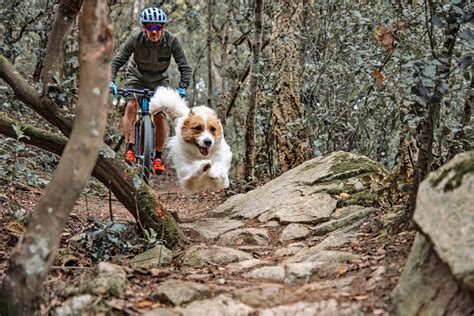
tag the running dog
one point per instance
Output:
(199, 151)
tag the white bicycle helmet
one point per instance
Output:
(153, 15)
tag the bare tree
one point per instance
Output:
(209, 53)
(225, 52)
(31, 260)
(249, 160)
(431, 118)
(288, 115)
(63, 19)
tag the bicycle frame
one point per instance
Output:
(144, 131)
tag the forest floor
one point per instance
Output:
(73, 266)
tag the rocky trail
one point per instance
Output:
(299, 245)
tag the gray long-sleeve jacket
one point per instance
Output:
(151, 60)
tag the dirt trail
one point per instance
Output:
(361, 286)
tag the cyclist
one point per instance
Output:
(152, 49)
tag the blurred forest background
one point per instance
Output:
(391, 80)
(365, 72)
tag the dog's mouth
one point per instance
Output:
(203, 150)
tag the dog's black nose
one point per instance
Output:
(207, 142)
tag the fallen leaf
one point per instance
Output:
(160, 212)
(343, 194)
(145, 303)
(378, 76)
(355, 244)
(15, 228)
(342, 270)
(385, 37)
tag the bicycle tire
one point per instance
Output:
(146, 147)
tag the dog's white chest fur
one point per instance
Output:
(199, 151)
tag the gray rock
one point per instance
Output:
(299, 194)
(427, 287)
(290, 250)
(301, 271)
(294, 231)
(265, 295)
(162, 312)
(376, 278)
(346, 217)
(271, 273)
(247, 264)
(245, 236)
(335, 239)
(211, 228)
(296, 208)
(323, 285)
(218, 306)
(445, 213)
(322, 308)
(315, 254)
(76, 305)
(110, 279)
(152, 258)
(199, 256)
(179, 292)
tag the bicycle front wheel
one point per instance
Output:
(146, 147)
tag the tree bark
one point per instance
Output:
(428, 125)
(31, 260)
(209, 53)
(225, 53)
(461, 140)
(249, 160)
(288, 115)
(54, 60)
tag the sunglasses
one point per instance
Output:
(153, 27)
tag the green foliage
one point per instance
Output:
(102, 241)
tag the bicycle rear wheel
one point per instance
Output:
(146, 147)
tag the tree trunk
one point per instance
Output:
(54, 60)
(288, 115)
(209, 53)
(225, 53)
(31, 260)
(249, 160)
(432, 117)
(461, 142)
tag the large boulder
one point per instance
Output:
(305, 194)
(439, 276)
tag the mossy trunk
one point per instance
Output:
(109, 170)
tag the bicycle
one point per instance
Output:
(144, 131)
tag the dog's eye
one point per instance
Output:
(213, 130)
(197, 128)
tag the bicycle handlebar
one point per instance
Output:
(143, 93)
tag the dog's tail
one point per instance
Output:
(169, 101)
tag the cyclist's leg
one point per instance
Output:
(161, 125)
(161, 131)
(128, 120)
(131, 109)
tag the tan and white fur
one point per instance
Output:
(199, 151)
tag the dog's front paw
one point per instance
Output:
(205, 166)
